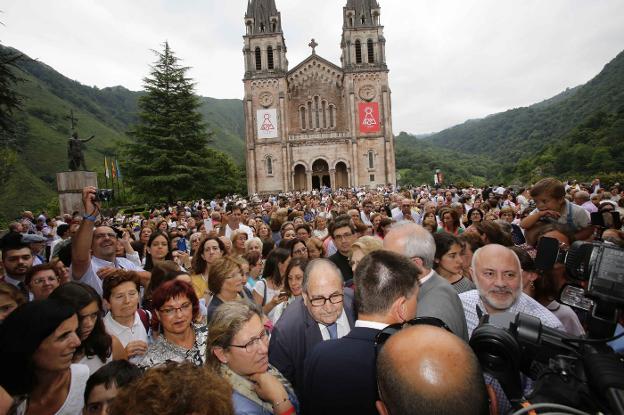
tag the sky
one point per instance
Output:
(449, 60)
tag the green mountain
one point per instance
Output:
(579, 133)
(39, 149)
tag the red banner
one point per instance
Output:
(369, 117)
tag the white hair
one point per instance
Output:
(477, 254)
(418, 242)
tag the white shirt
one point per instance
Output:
(343, 327)
(365, 219)
(424, 279)
(241, 227)
(127, 334)
(370, 324)
(91, 278)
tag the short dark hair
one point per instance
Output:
(382, 277)
(118, 373)
(342, 221)
(61, 229)
(118, 277)
(172, 289)
(294, 263)
(199, 263)
(12, 241)
(444, 242)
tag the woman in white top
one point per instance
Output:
(267, 290)
(36, 359)
(97, 347)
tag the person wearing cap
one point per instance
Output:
(36, 243)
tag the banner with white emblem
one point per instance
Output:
(266, 121)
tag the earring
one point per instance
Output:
(532, 285)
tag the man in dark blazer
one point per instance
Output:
(436, 298)
(340, 374)
(325, 311)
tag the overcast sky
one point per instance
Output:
(449, 60)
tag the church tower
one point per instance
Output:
(265, 82)
(318, 124)
(363, 60)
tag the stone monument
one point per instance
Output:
(70, 183)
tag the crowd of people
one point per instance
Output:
(354, 301)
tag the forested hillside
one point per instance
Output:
(31, 158)
(579, 133)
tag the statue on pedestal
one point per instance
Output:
(75, 152)
(75, 147)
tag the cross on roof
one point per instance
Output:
(313, 45)
(72, 119)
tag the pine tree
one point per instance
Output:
(10, 100)
(169, 158)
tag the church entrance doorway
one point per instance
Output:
(320, 174)
(300, 177)
(342, 176)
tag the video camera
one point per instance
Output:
(583, 373)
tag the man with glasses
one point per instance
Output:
(340, 375)
(324, 311)
(94, 248)
(436, 298)
(343, 234)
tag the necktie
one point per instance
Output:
(23, 289)
(332, 329)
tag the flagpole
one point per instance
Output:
(106, 171)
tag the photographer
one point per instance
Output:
(94, 248)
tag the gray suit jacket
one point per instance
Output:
(438, 298)
(294, 336)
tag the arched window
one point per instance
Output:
(324, 114)
(332, 116)
(358, 51)
(371, 51)
(258, 59)
(371, 160)
(302, 111)
(363, 19)
(351, 21)
(261, 27)
(317, 123)
(274, 26)
(270, 57)
(269, 166)
(310, 116)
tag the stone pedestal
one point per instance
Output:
(70, 185)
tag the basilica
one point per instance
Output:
(319, 123)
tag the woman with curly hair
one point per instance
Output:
(97, 346)
(176, 388)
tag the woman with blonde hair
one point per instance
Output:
(238, 238)
(226, 281)
(363, 246)
(238, 349)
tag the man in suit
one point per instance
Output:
(324, 312)
(340, 374)
(436, 297)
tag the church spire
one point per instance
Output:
(361, 13)
(263, 16)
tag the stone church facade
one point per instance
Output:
(317, 124)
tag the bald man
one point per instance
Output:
(427, 370)
(497, 273)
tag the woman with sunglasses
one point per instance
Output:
(176, 307)
(238, 349)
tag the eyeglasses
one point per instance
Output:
(170, 311)
(385, 334)
(252, 345)
(40, 281)
(345, 236)
(333, 299)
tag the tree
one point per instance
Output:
(10, 100)
(169, 158)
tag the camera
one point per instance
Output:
(104, 195)
(583, 373)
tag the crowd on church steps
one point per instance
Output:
(348, 301)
